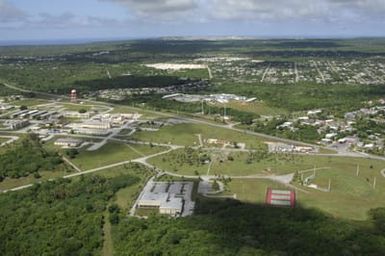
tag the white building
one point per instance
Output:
(68, 142)
(17, 124)
(96, 124)
(76, 114)
(168, 198)
(92, 127)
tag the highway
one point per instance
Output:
(285, 179)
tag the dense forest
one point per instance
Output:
(63, 217)
(66, 217)
(337, 99)
(304, 133)
(26, 157)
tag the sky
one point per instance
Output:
(120, 19)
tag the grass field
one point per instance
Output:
(146, 114)
(125, 196)
(167, 163)
(111, 153)
(349, 198)
(280, 164)
(45, 175)
(186, 134)
(29, 102)
(258, 107)
(77, 107)
(2, 140)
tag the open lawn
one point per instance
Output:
(111, 153)
(349, 198)
(274, 164)
(3, 139)
(29, 102)
(258, 107)
(9, 183)
(192, 73)
(126, 196)
(77, 107)
(168, 163)
(187, 134)
(146, 114)
(252, 191)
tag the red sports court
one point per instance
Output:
(278, 197)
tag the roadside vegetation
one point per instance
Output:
(27, 157)
(340, 200)
(229, 227)
(64, 216)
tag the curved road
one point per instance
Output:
(143, 160)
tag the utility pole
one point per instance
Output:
(203, 111)
(374, 183)
(358, 170)
(224, 113)
(330, 185)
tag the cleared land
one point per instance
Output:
(9, 183)
(259, 108)
(350, 197)
(111, 153)
(275, 164)
(186, 134)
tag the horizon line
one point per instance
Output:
(76, 41)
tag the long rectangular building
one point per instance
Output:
(170, 198)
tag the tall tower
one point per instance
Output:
(73, 96)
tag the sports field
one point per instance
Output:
(349, 197)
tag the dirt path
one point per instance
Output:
(265, 73)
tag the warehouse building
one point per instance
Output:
(17, 124)
(172, 199)
(68, 142)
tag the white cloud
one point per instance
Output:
(157, 7)
(69, 20)
(10, 13)
(294, 9)
(153, 14)
(199, 10)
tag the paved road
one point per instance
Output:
(143, 160)
(18, 188)
(383, 173)
(71, 164)
(11, 139)
(50, 95)
(190, 119)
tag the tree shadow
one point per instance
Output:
(245, 227)
(230, 227)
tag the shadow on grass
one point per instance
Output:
(229, 227)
